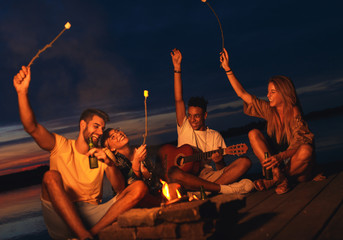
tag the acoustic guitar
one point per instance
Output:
(188, 158)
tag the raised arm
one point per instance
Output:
(179, 103)
(40, 134)
(236, 85)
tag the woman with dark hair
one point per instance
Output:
(289, 142)
(133, 164)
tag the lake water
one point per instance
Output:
(20, 210)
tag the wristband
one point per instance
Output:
(228, 71)
(175, 71)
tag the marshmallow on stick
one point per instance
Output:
(66, 26)
(146, 94)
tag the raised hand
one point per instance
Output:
(139, 155)
(21, 81)
(224, 59)
(176, 58)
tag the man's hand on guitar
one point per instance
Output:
(217, 157)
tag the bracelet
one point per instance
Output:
(175, 71)
(228, 71)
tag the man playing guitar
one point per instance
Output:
(192, 130)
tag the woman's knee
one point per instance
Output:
(255, 135)
(305, 153)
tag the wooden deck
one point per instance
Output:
(312, 210)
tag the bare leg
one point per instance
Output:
(234, 171)
(191, 182)
(301, 164)
(126, 200)
(258, 143)
(53, 191)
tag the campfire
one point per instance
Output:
(172, 194)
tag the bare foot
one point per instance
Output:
(319, 177)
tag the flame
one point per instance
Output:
(166, 191)
(178, 194)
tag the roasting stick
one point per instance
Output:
(146, 94)
(66, 26)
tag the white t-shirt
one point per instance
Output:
(206, 141)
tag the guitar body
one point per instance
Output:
(188, 158)
(172, 156)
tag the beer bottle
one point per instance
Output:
(268, 173)
(203, 195)
(93, 161)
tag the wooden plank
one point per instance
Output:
(255, 198)
(269, 217)
(309, 222)
(333, 229)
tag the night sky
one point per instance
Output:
(115, 50)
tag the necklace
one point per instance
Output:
(198, 143)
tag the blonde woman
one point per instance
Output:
(289, 142)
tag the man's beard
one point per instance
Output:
(87, 134)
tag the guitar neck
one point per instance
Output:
(201, 156)
(237, 149)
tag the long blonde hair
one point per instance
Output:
(283, 131)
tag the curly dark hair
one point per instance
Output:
(105, 136)
(198, 102)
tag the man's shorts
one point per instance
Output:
(207, 173)
(89, 213)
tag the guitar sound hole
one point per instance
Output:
(179, 161)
